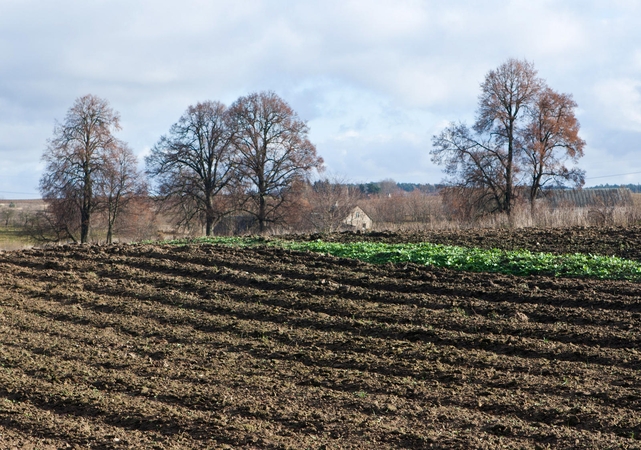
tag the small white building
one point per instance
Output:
(358, 220)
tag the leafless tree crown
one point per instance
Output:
(77, 159)
(194, 165)
(274, 152)
(523, 135)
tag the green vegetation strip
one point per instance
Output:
(515, 262)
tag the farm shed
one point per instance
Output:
(588, 198)
(357, 219)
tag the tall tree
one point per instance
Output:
(194, 165)
(120, 182)
(521, 127)
(74, 158)
(274, 152)
(505, 96)
(549, 140)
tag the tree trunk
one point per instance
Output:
(85, 213)
(85, 219)
(111, 220)
(508, 169)
(209, 224)
(209, 213)
(261, 213)
(84, 225)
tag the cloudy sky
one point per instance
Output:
(375, 79)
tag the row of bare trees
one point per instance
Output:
(524, 135)
(215, 161)
(219, 160)
(255, 158)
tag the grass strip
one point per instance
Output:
(514, 262)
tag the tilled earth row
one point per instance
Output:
(197, 347)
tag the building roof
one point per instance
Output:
(589, 197)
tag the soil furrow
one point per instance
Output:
(144, 346)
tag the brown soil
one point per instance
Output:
(215, 347)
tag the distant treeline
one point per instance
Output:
(636, 188)
(389, 186)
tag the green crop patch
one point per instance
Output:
(515, 262)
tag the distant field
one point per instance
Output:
(12, 217)
(12, 238)
(31, 205)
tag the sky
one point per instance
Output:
(374, 79)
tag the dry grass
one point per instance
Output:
(523, 216)
(13, 215)
(13, 238)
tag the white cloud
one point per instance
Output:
(619, 101)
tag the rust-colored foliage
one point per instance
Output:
(549, 140)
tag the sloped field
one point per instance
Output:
(218, 347)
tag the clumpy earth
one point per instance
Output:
(198, 347)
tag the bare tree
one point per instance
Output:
(521, 127)
(476, 166)
(7, 215)
(388, 187)
(274, 152)
(74, 159)
(194, 165)
(120, 182)
(330, 200)
(506, 94)
(550, 139)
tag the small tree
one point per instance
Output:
(120, 182)
(8, 214)
(56, 223)
(74, 159)
(194, 165)
(274, 152)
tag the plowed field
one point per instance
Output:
(196, 347)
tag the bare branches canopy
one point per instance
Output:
(80, 160)
(218, 160)
(194, 165)
(120, 182)
(524, 134)
(273, 152)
